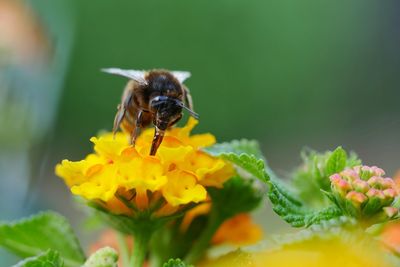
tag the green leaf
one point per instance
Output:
(286, 192)
(237, 196)
(372, 206)
(306, 179)
(330, 196)
(104, 257)
(337, 161)
(176, 263)
(35, 235)
(238, 147)
(50, 258)
(294, 212)
(162, 240)
(244, 154)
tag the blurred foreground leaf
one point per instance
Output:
(39, 233)
(327, 245)
(49, 258)
(176, 263)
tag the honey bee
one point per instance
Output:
(155, 96)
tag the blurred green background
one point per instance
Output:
(291, 74)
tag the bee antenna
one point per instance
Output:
(191, 112)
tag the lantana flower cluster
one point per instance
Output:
(363, 192)
(125, 179)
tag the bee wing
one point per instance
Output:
(136, 75)
(181, 76)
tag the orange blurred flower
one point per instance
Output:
(239, 230)
(391, 236)
(202, 209)
(21, 34)
(396, 177)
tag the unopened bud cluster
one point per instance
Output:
(363, 192)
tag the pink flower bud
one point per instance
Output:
(339, 184)
(365, 172)
(391, 193)
(375, 193)
(360, 186)
(366, 192)
(335, 177)
(356, 197)
(377, 171)
(388, 183)
(366, 168)
(376, 182)
(350, 174)
(390, 211)
(357, 168)
(344, 185)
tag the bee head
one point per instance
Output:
(168, 110)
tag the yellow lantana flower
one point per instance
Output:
(120, 176)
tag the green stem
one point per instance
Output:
(140, 247)
(203, 242)
(123, 248)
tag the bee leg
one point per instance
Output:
(138, 126)
(157, 139)
(118, 118)
(122, 111)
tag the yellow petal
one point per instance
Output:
(101, 185)
(182, 188)
(219, 177)
(72, 172)
(202, 140)
(211, 171)
(174, 155)
(141, 174)
(109, 148)
(184, 132)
